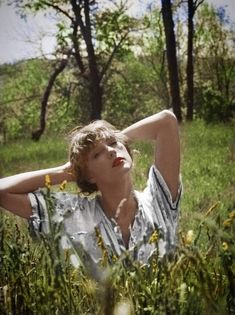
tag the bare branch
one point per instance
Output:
(57, 8)
(77, 54)
(182, 2)
(197, 4)
(63, 63)
(78, 17)
(115, 49)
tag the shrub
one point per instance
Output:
(213, 106)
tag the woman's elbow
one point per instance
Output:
(169, 120)
(169, 116)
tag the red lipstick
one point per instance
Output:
(118, 161)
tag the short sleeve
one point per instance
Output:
(156, 184)
(160, 210)
(38, 222)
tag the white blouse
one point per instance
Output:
(91, 237)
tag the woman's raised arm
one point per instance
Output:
(14, 189)
(163, 129)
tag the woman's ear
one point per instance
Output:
(89, 178)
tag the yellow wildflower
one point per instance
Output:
(189, 237)
(154, 265)
(225, 246)
(105, 257)
(153, 238)
(62, 185)
(232, 215)
(227, 222)
(114, 258)
(101, 244)
(48, 181)
(100, 241)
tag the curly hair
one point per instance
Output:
(82, 140)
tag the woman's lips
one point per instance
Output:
(117, 161)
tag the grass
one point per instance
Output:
(27, 155)
(208, 156)
(35, 279)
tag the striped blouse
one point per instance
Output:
(91, 237)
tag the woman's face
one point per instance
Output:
(107, 161)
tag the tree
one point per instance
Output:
(171, 57)
(24, 83)
(93, 39)
(154, 57)
(57, 70)
(214, 65)
(192, 7)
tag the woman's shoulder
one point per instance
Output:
(62, 200)
(157, 191)
(74, 201)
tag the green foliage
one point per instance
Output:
(21, 91)
(136, 82)
(112, 28)
(154, 58)
(92, 36)
(212, 106)
(131, 95)
(214, 66)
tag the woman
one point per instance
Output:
(118, 218)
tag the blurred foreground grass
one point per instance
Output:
(34, 279)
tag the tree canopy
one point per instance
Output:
(110, 64)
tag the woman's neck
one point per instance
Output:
(120, 203)
(117, 198)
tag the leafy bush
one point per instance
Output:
(212, 106)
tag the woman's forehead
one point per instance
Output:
(104, 136)
(102, 141)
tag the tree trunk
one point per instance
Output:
(171, 58)
(96, 93)
(36, 135)
(190, 65)
(95, 88)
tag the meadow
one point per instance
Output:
(199, 279)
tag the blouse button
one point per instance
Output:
(116, 230)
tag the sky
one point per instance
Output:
(23, 39)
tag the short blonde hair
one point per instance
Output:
(82, 140)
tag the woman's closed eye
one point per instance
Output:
(96, 154)
(113, 143)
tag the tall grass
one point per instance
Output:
(36, 278)
(208, 160)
